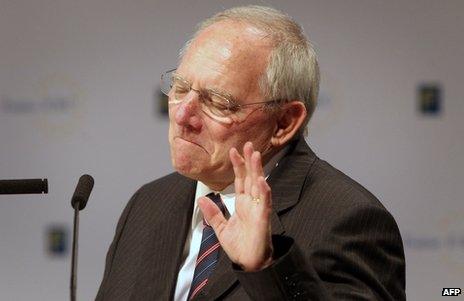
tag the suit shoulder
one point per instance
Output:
(164, 183)
(147, 198)
(338, 187)
(341, 201)
(162, 186)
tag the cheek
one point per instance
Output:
(224, 141)
(258, 131)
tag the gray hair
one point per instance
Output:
(293, 71)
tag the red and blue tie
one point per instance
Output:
(209, 252)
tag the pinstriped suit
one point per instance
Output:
(333, 240)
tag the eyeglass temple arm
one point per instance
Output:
(257, 103)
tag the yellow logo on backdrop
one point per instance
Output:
(452, 227)
(443, 241)
(54, 105)
(61, 101)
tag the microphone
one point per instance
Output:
(78, 202)
(24, 186)
(82, 192)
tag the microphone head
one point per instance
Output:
(23, 186)
(82, 192)
(44, 186)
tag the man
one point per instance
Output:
(251, 213)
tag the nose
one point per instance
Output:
(187, 112)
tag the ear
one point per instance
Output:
(289, 120)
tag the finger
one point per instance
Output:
(212, 214)
(247, 152)
(255, 194)
(256, 166)
(261, 191)
(238, 163)
(265, 193)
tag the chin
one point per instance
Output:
(186, 167)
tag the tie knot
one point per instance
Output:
(216, 198)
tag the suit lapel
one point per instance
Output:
(288, 178)
(162, 259)
(286, 182)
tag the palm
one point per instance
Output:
(246, 236)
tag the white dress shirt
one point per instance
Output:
(193, 241)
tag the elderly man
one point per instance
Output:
(251, 213)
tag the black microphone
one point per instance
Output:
(78, 202)
(24, 186)
(82, 192)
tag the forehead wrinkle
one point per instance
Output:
(233, 40)
(208, 83)
(224, 51)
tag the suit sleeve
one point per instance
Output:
(360, 257)
(114, 245)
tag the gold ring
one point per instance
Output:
(256, 200)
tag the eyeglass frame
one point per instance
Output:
(233, 106)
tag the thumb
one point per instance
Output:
(212, 214)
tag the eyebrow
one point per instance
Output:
(224, 94)
(217, 91)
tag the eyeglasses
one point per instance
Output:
(216, 104)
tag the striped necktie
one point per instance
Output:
(209, 252)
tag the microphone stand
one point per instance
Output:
(78, 202)
(73, 283)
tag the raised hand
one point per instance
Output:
(246, 236)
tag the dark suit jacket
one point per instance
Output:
(333, 240)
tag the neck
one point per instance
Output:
(217, 186)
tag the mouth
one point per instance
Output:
(191, 142)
